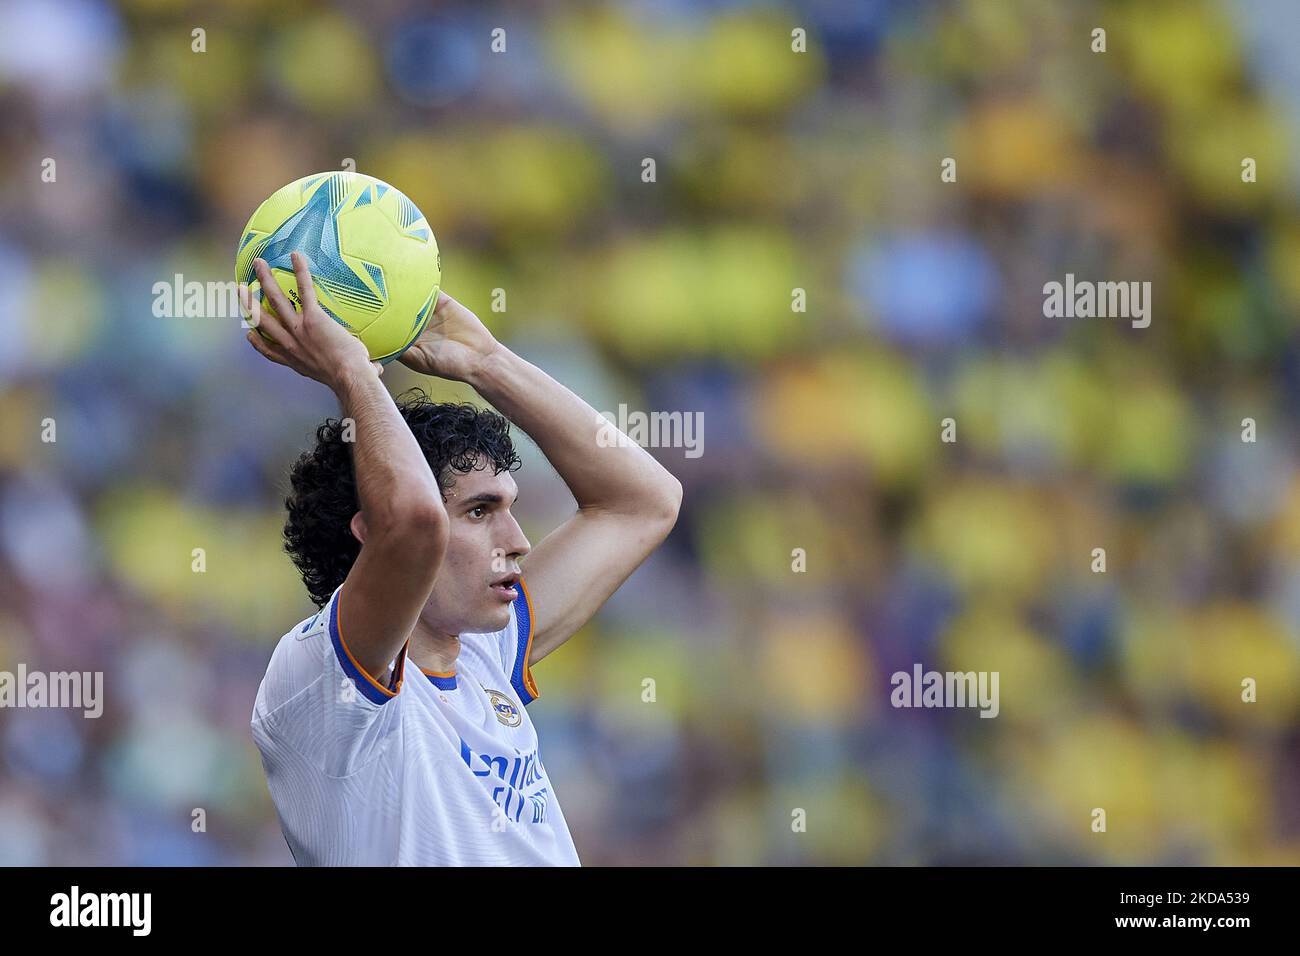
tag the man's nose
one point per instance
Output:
(518, 542)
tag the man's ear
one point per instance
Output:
(358, 526)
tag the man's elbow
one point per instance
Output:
(420, 525)
(670, 502)
(657, 505)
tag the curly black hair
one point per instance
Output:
(323, 496)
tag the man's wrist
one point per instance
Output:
(488, 365)
(351, 377)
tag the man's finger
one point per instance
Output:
(264, 347)
(260, 316)
(251, 307)
(306, 289)
(272, 293)
(246, 307)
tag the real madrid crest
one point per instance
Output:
(503, 707)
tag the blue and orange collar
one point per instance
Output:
(439, 680)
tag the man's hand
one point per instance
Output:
(309, 342)
(453, 345)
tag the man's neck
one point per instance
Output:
(432, 650)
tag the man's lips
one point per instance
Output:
(507, 586)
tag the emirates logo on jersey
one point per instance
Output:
(504, 708)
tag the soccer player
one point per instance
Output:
(393, 725)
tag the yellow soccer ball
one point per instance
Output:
(373, 257)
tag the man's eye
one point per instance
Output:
(478, 508)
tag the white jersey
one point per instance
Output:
(424, 769)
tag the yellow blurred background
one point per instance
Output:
(775, 171)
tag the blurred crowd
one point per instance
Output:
(775, 171)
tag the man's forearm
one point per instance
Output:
(392, 473)
(616, 476)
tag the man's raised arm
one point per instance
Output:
(403, 524)
(627, 501)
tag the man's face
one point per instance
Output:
(485, 545)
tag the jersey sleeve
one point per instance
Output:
(319, 702)
(516, 643)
